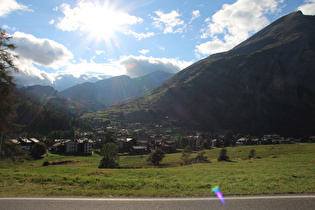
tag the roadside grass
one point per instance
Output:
(281, 169)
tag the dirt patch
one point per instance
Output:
(61, 162)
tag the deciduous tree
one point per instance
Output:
(110, 153)
(156, 156)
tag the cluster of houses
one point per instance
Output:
(75, 147)
(60, 146)
(25, 143)
(145, 145)
(140, 141)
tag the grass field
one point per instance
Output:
(281, 169)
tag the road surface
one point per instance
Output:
(248, 202)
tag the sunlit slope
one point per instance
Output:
(265, 84)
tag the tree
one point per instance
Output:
(38, 150)
(110, 155)
(156, 156)
(228, 138)
(184, 142)
(6, 82)
(223, 156)
(186, 153)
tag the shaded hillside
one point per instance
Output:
(76, 107)
(116, 89)
(263, 85)
(34, 115)
(43, 91)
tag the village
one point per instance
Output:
(137, 139)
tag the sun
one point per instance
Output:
(102, 22)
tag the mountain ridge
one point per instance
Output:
(117, 89)
(263, 85)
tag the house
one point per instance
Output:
(85, 147)
(125, 144)
(79, 147)
(139, 150)
(26, 144)
(71, 146)
(169, 146)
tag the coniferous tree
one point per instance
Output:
(6, 83)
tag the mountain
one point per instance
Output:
(60, 82)
(43, 91)
(263, 85)
(48, 93)
(116, 89)
(39, 115)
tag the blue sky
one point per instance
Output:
(93, 38)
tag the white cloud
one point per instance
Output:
(43, 52)
(30, 75)
(85, 67)
(235, 22)
(99, 52)
(308, 8)
(195, 14)
(8, 6)
(136, 66)
(52, 21)
(87, 14)
(141, 35)
(168, 22)
(144, 51)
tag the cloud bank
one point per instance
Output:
(43, 52)
(8, 6)
(234, 23)
(136, 66)
(308, 8)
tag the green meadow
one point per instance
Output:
(282, 169)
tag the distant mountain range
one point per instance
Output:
(116, 89)
(60, 83)
(87, 97)
(263, 85)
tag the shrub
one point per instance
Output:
(156, 156)
(201, 157)
(205, 144)
(108, 163)
(110, 153)
(223, 156)
(252, 153)
(38, 150)
(186, 153)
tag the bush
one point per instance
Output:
(110, 153)
(38, 150)
(200, 158)
(252, 153)
(223, 156)
(205, 144)
(156, 156)
(186, 153)
(108, 163)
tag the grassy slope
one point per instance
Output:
(291, 172)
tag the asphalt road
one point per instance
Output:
(247, 202)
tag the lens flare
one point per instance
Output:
(132, 65)
(218, 193)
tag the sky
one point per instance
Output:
(85, 40)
